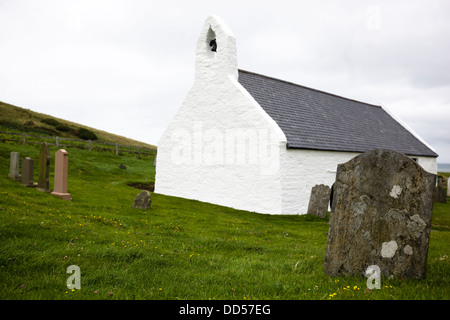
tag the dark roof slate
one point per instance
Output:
(313, 119)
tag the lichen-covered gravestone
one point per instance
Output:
(382, 203)
(142, 200)
(318, 201)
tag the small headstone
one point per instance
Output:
(27, 172)
(383, 203)
(318, 201)
(448, 187)
(61, 174)
(14, 166)
(441, 180)
(142, 200)
(439, 195)
(44, 169)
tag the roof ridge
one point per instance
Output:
(305, 87)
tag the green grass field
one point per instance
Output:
(177, 249)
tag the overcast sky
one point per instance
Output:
(126, 66)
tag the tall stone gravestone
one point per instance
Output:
(318, 201)
(14, 166)
(383, 202)
(27, 172)
(61, 174)
(44, 168)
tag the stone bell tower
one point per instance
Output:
(216, 51)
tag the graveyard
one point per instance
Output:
(176, 248)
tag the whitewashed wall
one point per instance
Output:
(428, 163)
(221, 147)
(303, 169)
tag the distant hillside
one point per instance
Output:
(16, 119)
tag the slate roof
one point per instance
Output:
(313, 119)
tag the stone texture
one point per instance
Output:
(27, 172)
(441, 180)
(382, 204)
(318, 201)
(142, 200)
(61, 174)
(44, 169)
(14, 166)
(439, 195)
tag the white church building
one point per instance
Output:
(256, 143)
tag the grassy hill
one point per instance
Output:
(177, 249)
(16, 119)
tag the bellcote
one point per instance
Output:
(216, 50)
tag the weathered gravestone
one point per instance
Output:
(14, 166)
(61, 175)
(44, 169)
(142, 200)
(318, 201)
(382, 215)
(441, 180)
(27, 172)
(439, 194)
